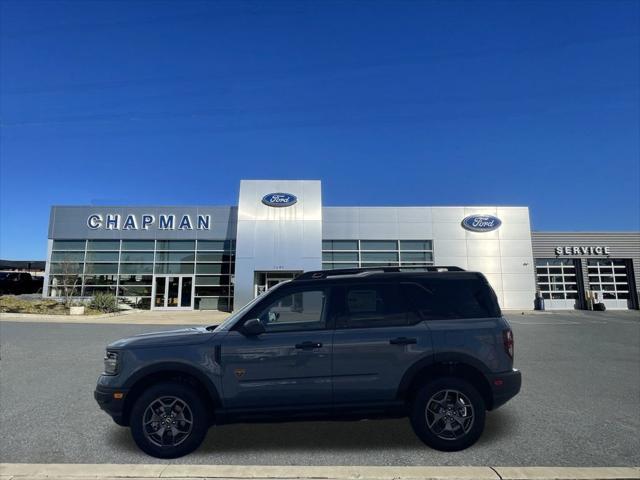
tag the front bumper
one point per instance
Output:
(108, 401)
(504, 386)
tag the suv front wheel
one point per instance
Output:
(169, 420)
(448, 414)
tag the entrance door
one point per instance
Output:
(263, 281)
(173, 292)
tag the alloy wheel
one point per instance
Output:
(167, 421)
(449, 414)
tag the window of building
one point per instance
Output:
(376, 253)
(103, 245)
(69, 245)
(125, 268)
(217, 245)
(138, 245)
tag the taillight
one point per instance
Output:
(507, 338)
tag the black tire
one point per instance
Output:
(454, 423)
(175, 417)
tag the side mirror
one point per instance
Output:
(252, 328)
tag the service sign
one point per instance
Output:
(481, 223)
(279, 199)
(584, 250)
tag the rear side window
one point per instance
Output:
(451, 298)
(369, 305)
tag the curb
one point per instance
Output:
(47, 316)
(26, 471)
(106, 319)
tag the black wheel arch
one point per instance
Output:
(449, 365)
(166, 372)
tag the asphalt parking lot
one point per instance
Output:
(579, 406)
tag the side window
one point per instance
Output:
(299, 310)
(451, 298)
(370, 305)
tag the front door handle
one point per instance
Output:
(308, 345)
(403, 341)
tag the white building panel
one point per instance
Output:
(274, 238)
(516, 248)
(447, 214)
(514, 231)
(452, 261)
(414, 214)
(519, 265)
(484, 264)
(517, 282)
(415, 231)
(450, 248)
(483, 248)
(449, 230)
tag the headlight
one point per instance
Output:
(111, 363)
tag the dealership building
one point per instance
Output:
(220, 257)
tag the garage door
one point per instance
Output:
(609, 278)
(557, 282)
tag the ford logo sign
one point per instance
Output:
(279, 199)
(481, 223)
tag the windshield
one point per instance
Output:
(231, 319)
(5, 275)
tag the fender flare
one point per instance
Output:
(443, 359)
(178, 367)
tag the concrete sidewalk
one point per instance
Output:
(23, 471)
(141, 317)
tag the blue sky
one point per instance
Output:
(403, 103)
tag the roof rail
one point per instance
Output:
(319, 274)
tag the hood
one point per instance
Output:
(168, 338)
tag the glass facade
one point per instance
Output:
(376, 253)
(128, 268)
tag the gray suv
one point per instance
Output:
(430, 345)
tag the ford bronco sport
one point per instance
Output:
(431, 345)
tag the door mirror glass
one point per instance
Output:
(252, 328)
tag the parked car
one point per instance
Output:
(343, 344)
(17, 283)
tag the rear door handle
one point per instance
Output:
(308, 345)
(403, 341)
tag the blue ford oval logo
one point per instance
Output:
(481, 223)
(279, 199)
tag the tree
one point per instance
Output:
(67, 278)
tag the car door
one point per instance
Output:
(290, 364)
(377, 338)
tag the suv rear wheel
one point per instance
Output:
(448, 414)
(169, 420)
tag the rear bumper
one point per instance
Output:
(107, 402)
(504, 386)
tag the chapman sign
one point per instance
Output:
(584, 250)
(145, 222)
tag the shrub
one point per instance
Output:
(104, 302)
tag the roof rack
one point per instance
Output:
(339, 272)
